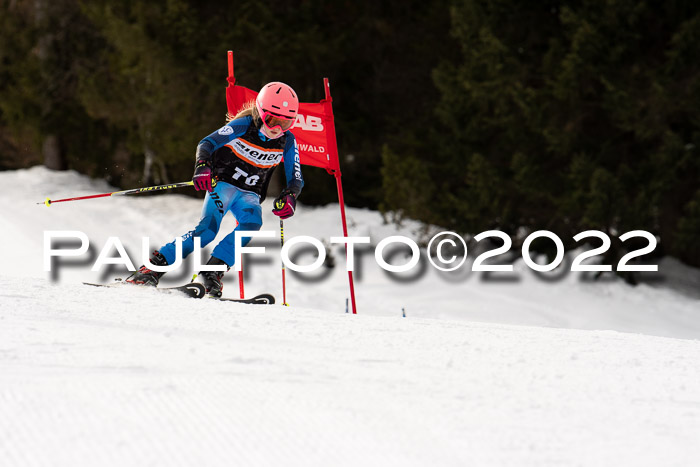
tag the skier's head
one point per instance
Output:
(277, 104)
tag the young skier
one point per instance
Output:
(240, 157)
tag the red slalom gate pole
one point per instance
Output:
(345, 233)
(240, 280)
(335, 171)
(241, 287)
(230, 63)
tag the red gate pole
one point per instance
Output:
(345, 233)
(231, 80)
(335, 171)
(230, 63)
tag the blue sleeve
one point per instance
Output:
(292, 166)
(221, 137)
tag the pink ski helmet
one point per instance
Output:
(277, 104)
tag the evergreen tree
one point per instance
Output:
(39, 42)
(138, 85)
(568, 117)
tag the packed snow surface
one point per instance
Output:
(516, 371)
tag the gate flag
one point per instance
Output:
(314, 130)
(310, 129)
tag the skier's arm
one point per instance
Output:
(292, 167)
(221, 137)
(285, 204)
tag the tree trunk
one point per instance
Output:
(52, 148)
(54, 155)
(150, 157)
(163, 171)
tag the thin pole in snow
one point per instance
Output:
(284, 282)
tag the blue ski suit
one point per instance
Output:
(242, 161)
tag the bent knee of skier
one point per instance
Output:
(248, 227)
(206, 230)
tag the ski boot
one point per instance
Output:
(212, 280)
(145, 276)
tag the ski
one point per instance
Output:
(262, 299)
(192, 290)
(196, 290)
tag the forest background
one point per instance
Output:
(469, 115)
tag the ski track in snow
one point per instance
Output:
(123, 377)
(114, 377)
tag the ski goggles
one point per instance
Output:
(273, 120)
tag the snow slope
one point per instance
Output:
(670, 309)
(479, 373)
(94, 376)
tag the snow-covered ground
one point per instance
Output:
(522, 371)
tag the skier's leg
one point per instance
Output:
(216, 203)
(146, 276)
(246, 208)
(212, 280)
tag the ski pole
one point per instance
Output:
(279, 204)
(284, 283)
(134, 191)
